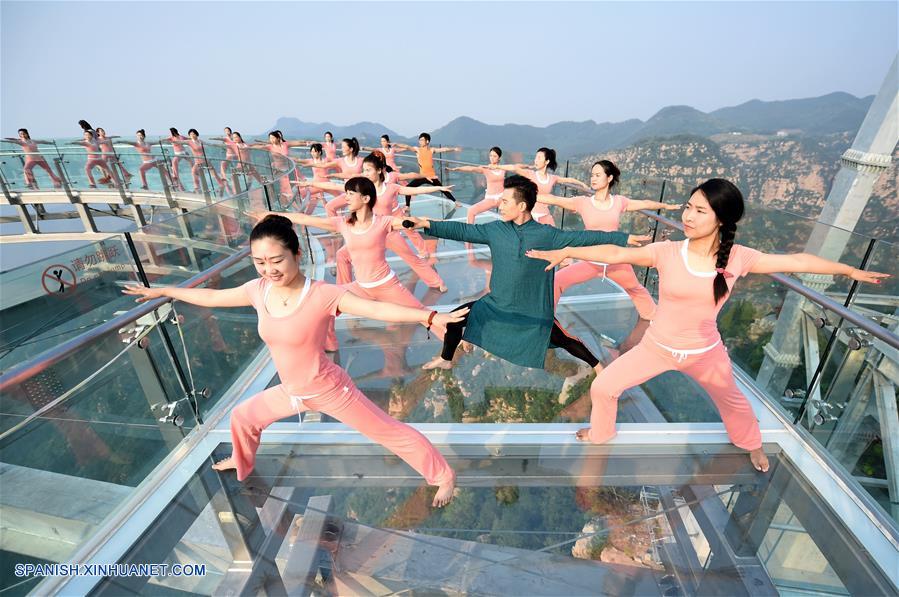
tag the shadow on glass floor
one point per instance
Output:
(526, 520)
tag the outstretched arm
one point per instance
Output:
(637, 204)
(811, 264)
(203, 297)
(424, 190)
(563, 202)
(572, 182)
(470, 233)
(446, 149)
(300, 219)
(520, 169)
(382, 311)
(477, 169)
(319, 184)
(601, 253)
(585, 238)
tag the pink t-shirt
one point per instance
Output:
(230, 149)
(367, 247)
(607, 220)
(544, 186)
(296, 341)
(390, 156)
(347, 168)
(686, 317)
(496, 182)
(388, 199)
(330, 150)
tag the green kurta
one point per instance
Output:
(515, 319)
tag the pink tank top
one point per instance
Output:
(296, 341)
(687, 313)
(106, 146)
(367, 247)
(178, 143)
(230, 150)
(544, 186)
(92, 147)
(279, 155)
(319, 174)
(346, 168)
(495, 181)
(390, 156)
(330, 150)
(607, 220)
(388, 199)
(32, 153)
(144, 150)
(196, 147)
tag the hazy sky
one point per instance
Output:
(416, 65)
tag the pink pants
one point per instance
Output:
(428, 275)
(391, 291)
(176, 159)
(712, 370)
(112, 160)
(31, 163)
(480, 207)
(96, 163)
(345, 403)
(621, 274)
(144, 168)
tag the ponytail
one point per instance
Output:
(726, 201)
(354, 146)
(377, 159)
(550, 156)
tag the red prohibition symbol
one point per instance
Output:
(58, 279)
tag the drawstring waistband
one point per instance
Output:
(681, 354)
(295, 403)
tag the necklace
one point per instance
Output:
(284, 300)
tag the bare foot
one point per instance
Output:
(466, 346)
(442, 288)
(438, 362)
(225, 465)
(759, 460)
(444, 493)
(582, 435)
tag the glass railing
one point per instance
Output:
(209, 174)
(157, 379)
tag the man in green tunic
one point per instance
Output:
(515, 320)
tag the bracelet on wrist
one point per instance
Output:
(431, 319)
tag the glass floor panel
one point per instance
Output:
(526, 520)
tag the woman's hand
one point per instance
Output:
(143, 293)
(672, 206)
(554, 257)
(861, 275)
(637, 240)
(441, 319)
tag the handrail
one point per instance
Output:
(41, 362)
(826, 302)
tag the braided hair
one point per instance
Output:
(726, 201)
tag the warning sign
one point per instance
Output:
(58, 279)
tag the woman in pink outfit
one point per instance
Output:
(199, 160)
(179, 153)
(230, 154)
(387, 204)
(696, 276)
(145, 150)
(349, 165)
(319, 175)
(244, 157)
(602, 211)
(365, 234)
(495, 183)
(109, 154)
(389, 150)
(94, 158)
(294, 312)
(281, 161)
(33, 159)
(545, 176)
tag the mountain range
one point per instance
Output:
(828, 114)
